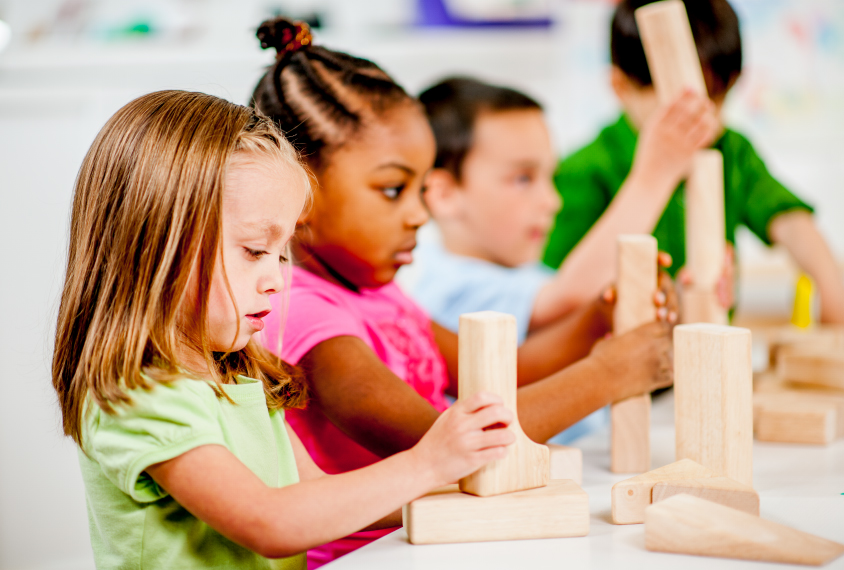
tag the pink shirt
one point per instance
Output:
(390, 324)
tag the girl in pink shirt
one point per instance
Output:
(377, 368)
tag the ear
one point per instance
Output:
(442, 194)
(620, 83)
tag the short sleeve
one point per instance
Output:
(314, 316)
(763, 197)
(160, 424)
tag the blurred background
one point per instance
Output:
(67, 65)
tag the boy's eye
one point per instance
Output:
(392, 192)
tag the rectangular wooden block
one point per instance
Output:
(713, 399)
(823, 338)
(631, 496)
(566, 462)
(809, 366)
(798, 416)
(636, 283)
(487, 363)
(719, 490)
(558, 510)
(684, 524)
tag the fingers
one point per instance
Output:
(663, 259)
(609, 295)
(492, 415)
(477, 401)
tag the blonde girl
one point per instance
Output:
(182, 212)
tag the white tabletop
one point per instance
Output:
(800, 486)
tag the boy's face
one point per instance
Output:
(504, 205)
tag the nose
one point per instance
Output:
(417, 213)
(553, 200)
(272, 281)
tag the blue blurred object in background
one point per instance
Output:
(508, 13)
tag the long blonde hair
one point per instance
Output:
(146, 224)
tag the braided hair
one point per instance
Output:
(320, 98)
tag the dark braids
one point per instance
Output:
(319, 97)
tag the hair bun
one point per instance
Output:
(285, 35)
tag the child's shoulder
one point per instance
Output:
(614, 144)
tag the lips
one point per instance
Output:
(256, 320)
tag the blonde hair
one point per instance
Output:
(145, 228)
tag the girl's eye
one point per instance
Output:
(392, 192)
(254, 253)
(283, 259)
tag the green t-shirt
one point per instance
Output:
(133, 522)
(589, 179)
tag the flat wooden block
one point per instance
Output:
(558, 510)
(487, 363)
(684, 524)
(566, 463)
(798, 416)
(713, 399)
(719, 490)
(813, 366)
(631, 496)
(824, 338)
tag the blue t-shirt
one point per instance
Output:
(448, 285)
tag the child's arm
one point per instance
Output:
(797, 232)
(663, 154)
(370, 404)
(212, 484)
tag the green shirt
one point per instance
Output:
(590, 178)
(133, 522)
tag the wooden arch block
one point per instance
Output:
(684, 524)
(636, 283)
(487, 363)
(713, 399)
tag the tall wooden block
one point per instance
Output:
(558, 510)
(670, 48)
(685, 524)
(713, 399)
(630, 420)
(487, 363)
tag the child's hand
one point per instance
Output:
(671, 137)
(465, 437)
(724, 288)
(639, 361)
(665, 297)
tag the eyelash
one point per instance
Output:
(398, 190)
(258, 254)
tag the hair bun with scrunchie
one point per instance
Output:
(285, 35)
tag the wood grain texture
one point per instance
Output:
(631, 496)
(566, 462)
(713, 399)
(823, 338)
(560, 509)
(487, 363)
(636, 283)
(684, 524)
(721, 490)
(670, 48)
(798, 416)
(813, 366)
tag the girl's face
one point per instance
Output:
(369, 203)
(263, 199)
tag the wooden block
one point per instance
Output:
(566, 463)
(719, 490)
(713, 399)
(487, 363)
(701, 307)
(685, 524)
(670, 49)
(636, 283)
(813, 366)
(631, 496)
(560, 509)
(798, 416)
(823, 338)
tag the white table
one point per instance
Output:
(799, 485)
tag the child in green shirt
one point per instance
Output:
(182, 212)
(626, 180)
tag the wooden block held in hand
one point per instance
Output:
(818, 367)
(684, 524)
(670, 49)
(558, 510)
(636, 283)
(631, 496)
(719, 490)
(566, 463)
(713, 399)
(487, 363)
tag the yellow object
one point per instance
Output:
(802, 315)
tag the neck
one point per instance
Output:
(306, 258)
(459, 240)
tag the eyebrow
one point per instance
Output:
(400, 166)
(267, 227)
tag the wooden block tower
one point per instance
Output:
(636, 283)
(674, 65)
(512, 498)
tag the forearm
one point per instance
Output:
(564, 342)
(797, 232)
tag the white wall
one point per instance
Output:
(54, 98)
